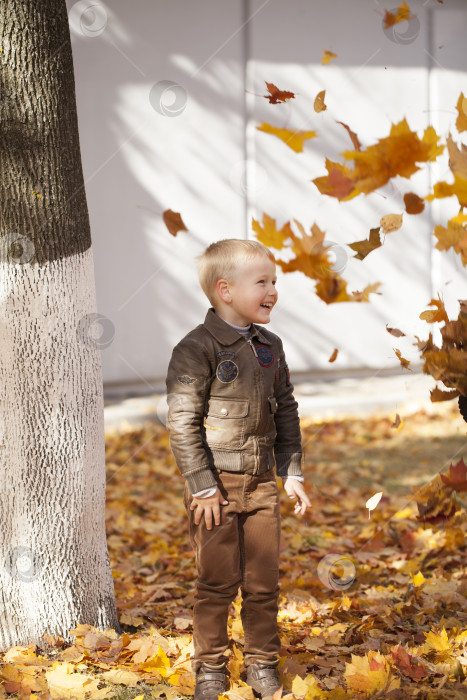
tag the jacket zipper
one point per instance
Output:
(256, 455)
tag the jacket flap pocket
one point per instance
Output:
(272, 404)
(228, 408)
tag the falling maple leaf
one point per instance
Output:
(333, 355)
(413, 203)
(458, 166)
(173, 221)
(269, 235)
(353, 136)
(275, 95)
(398, 422)
(292, 138)
(365, 247)
(328, 56)
(435, 316)
(319, 105)
(401, 15)
(404, 363)
(391, 223)
(461, 121)
(454, 236)
(456, 476)
(397, 154)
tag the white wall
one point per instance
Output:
(138, 162)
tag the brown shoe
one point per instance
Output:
(263, 679)
(210, 682)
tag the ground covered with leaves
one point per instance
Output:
(373, 603)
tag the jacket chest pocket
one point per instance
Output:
(225, 421)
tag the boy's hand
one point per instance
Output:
(209, 506)
(295, 489)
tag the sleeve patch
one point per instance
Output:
(185, 379)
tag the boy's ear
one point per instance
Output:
(222, 288)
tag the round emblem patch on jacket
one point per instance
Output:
(227, 371)
(265, 356)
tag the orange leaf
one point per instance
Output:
(454, 236)
(292, 138)
(405, 664)
(269, 235)
(276, 95)
(328, 56)
(404, 363)
(435, 316)
(402, 15)
(173, 221)
(319, 105)
(456, 476)
(461, 121)
(333, 355)
(413, 203)
(353, 136)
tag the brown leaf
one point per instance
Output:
(413, 203)
(440, 395)
(353, 136)
(435, 316)
(406, 665)
(173, 221)
(333, 355)
(319, 105)
(365, 247)
(395, 332)
(275, 95)
(404, 363)
(456, 476)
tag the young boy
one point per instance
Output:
(232, 415)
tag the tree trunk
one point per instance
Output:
(54, 563)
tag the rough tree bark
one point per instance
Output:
(54, 563)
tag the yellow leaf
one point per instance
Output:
(268, 234)
(328, 56)
(418, 579)
(292, 138)
(121, 676)
(461, 121)
(370, 673)
(63, 683)
(438, 641)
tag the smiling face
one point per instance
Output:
(251, 294)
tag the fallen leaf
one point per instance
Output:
(275, 95)
(365, 247)
(404, 363)
(319, 105)
(391, 222)
(401, 15)
(328, 56)
(292, 138)
(413, 203)
(394, 331)
(456, 478)
(173, 221)
(333, 355)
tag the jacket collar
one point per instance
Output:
(227, 335)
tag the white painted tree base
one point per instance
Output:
(54, 565)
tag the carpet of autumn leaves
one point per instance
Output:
(384, 618)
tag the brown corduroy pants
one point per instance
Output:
(243, 551)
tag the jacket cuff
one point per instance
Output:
(288, 464)
(200, 479)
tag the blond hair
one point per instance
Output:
(221, 259)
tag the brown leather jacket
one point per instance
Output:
(231, 404)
